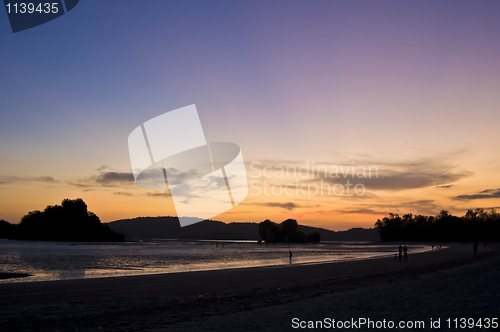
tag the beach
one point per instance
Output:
(48, 261)
(446, 283)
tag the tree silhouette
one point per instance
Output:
(289, 226)
(271, 232)
(313, 237)
(6, 229)
(297, 237)
(287, 230)
(475, 225)
(70, 221)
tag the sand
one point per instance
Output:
(13, 275)
(446, 283)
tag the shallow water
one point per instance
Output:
(65, 260)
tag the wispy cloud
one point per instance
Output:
(487, 193)
(158, 194)
(14, 179)
(123, 193)
(411, 179)
(288, 206)
(364, 211)
(374, 174)
(113, 178)
(427, 207)
(105, 178)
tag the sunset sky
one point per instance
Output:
(411, 89)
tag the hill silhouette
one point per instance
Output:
(70, 221)
(168, 228)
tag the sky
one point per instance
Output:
(408, 90)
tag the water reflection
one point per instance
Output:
(60, 260)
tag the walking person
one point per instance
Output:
(405, 254)
(400, 252)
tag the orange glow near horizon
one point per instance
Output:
(326, 211)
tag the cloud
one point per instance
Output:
(45, 179)
(425, 206)
(176, 176)
(13, 179)
(288, 205)
(411, 179)
(487, 193)
(105, 178)
(158, 194)
(386, 180)
(110, 178)
(81, 184)
(103, 168)
(373, 175)
(123, 193)
(365, 211)
(421, 205)
(446, 186)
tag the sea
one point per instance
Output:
(45, 261)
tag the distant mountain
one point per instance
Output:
(353, 234)
(169, 228)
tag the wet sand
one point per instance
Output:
(446, 283)
(13, 275)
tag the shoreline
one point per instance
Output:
(351, 265)
(11, 275)
(302, 259)
(175, 300)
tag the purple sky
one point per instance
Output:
(411, 87)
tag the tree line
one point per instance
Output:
(286, 231)
(475, 225)
(70, 221)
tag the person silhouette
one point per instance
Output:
(400, 252)
(405, 254)
(290, 255)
